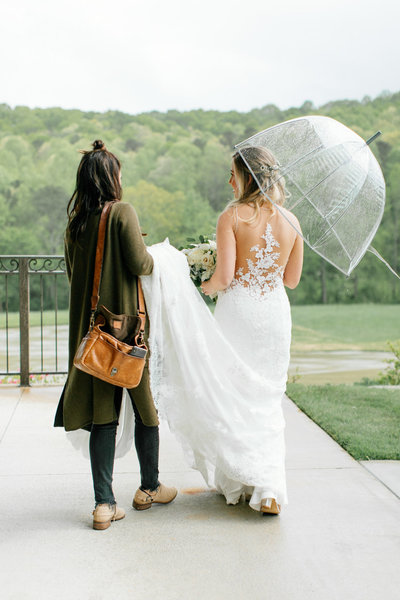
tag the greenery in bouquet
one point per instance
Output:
(201, 257)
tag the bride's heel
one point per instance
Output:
(274, 509)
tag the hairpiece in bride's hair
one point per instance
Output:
(270, 168)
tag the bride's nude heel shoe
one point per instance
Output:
(274, 509)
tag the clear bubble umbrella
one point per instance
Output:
(335, 185)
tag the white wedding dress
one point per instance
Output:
(219, 381)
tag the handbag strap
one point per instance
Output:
(98, 266)
(141, 313)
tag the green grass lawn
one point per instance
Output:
(364, 421)
(317, 327)
(335, 377)
(345, 326)
(34, 318)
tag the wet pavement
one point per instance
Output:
(339, 538)
(55, 357)
(338, 361)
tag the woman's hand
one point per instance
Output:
(207, 288)
(226, 256)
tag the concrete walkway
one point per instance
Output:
(339, 538)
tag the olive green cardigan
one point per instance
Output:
(86, 399)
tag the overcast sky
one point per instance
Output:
(138, 56)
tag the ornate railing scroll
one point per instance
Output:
(33, 290)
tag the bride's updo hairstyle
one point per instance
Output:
(97, 181)
(266, 169)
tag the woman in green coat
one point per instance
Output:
(87, 402)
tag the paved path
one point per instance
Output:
(339, 538)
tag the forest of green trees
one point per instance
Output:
(175, 172)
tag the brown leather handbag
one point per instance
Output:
(101, 353)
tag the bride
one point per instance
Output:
(259, 252)
(220, 381)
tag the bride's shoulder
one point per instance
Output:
(228, 216)
(237, 212)
(289, 216)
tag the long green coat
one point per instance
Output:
(86, 399)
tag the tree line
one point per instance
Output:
(175, 172)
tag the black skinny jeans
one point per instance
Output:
(102, 453)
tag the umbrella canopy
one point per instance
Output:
(334, 183)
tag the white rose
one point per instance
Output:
(195, 256)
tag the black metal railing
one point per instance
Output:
(33, 316)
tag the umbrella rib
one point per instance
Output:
(335, 222)
(329, 260)
(345, 162)
(321, 215)
(326, 232)
(331, 229)
(310, 245)
(338, 219)
(302, 157)
(334, 171)
(319, 182)
(303, 196)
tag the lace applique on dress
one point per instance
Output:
(263, 274)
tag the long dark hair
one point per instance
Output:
(97, 182)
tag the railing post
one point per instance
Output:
(24, 320)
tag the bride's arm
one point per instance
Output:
(226, 256)
(294, 265)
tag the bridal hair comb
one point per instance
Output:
(270, 168)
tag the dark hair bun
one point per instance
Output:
(98, 145)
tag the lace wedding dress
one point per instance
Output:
(219, 381)
(254, 316)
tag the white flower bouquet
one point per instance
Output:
(202, 258)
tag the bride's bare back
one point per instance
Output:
(263, 247)
(270, 243)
